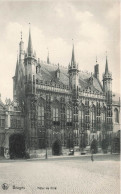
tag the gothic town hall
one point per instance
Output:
(57, 108)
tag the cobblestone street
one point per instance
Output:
(63, 176)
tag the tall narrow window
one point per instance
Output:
(87, 116)
(93, 117)
(2, 123)
(41, 115)
(33, 78)
(104, 115)
(69, 116)
(55, 114)
(116, 116)
(81, 115)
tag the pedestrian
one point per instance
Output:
(92, 155)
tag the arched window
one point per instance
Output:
(41, 115)
(69, 114)
(81, 113)
(81, 116)
(92, 115)
(55, 114)
(98, 109)
(116, 115)
(104, 115)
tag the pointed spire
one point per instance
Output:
(30, 49)
(106, 66)
(107, 75)
(16, 72)
(73, 57)
(73, 62)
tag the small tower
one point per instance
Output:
(73, 75)
(48, 60)
(96, 70)
(58, 72)
(38, 67)
(30, 63)
(107, 83)
(73, 83)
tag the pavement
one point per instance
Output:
(67, 175)
(88, 156)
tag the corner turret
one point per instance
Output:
(107, 83)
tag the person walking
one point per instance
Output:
(92, 158)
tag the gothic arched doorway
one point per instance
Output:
(56, 148)
(17, 146)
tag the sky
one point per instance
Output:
(93, 26)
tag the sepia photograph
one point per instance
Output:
(60, 105)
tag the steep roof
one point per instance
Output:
(48, 72)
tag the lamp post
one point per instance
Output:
(46, 156)
(46, 146)
(46, 124)
(82, 142)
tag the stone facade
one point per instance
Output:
(62, 108)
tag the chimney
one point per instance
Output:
(96, 71)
